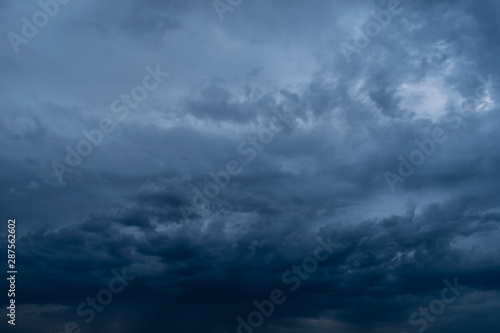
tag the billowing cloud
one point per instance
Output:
(266, 136)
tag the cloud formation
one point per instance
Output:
(322, 177)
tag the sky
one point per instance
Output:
(251, 166)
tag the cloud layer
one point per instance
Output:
(267, 90)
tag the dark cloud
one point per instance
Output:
(321, 175)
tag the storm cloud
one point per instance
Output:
(386, 150)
